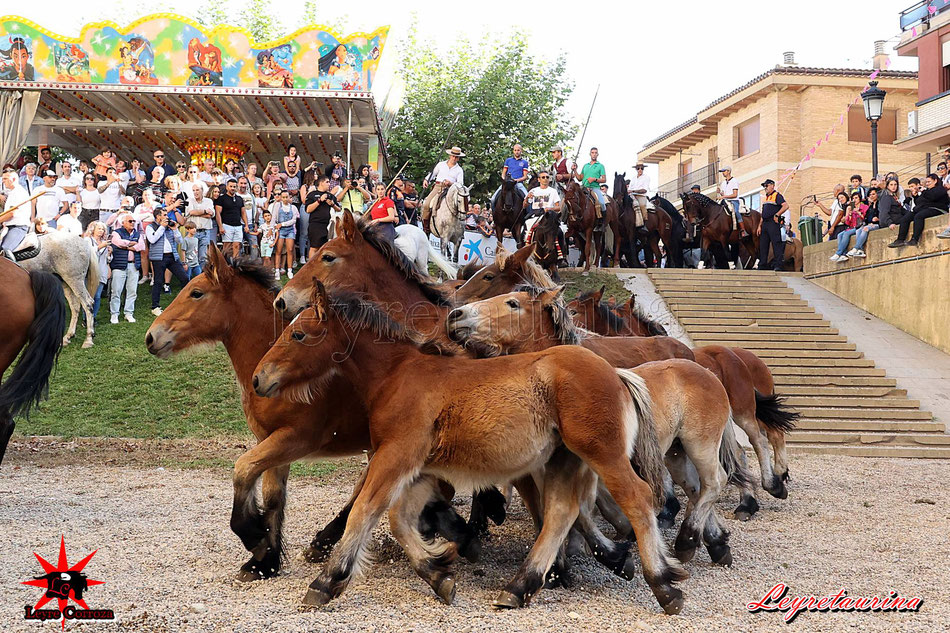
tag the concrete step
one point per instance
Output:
(741, 337)
(726, 323)
(778, 292)
(746, 302)
(814, 354)
(868, 393)
(727, 275)
(744, 330)
(800, 379)
(797, 361)
(732, 305)
(856, 413)
(752, 346)
(874, 450)
(833, 424)
(869, 438)
(827, 377)
(860, 402)
(747, 316)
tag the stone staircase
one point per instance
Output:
(847, 405)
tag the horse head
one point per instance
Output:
(694, 210)
(458, 197)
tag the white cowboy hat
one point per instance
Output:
(455, 151)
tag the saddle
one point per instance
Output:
(28, 248)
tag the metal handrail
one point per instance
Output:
(919, 13)
(704, 177)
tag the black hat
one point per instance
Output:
(767, 182)
(694, 188)
(338, 154)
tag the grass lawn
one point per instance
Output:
(576, 282)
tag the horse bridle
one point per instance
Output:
(462, 211)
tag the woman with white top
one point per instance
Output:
(98, 236)
(89, 197)
(110, 194)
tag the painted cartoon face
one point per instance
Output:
(341, 53)
(20, 57)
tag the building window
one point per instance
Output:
(945, 64)
(859, 128)
(751, 201)
(746, 138)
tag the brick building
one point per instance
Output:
(926, 36)
(767, 125)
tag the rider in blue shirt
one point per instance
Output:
(517, 168)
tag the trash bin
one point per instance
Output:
(809, 229)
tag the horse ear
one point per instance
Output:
(319, 300)
(216, 266)
(520, 257)
(348, 228)
(599, 295)
(549, 297)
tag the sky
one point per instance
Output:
(657, 64)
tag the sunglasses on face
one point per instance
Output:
(159, 155)
(543, 178)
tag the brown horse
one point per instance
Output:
(717, 229)
(231, 303)
(759, 413)
(534, 319)
(564, 395)
(34, 317)
(581, 219)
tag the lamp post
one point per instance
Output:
(873, 110)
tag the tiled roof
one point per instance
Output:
(790, 70)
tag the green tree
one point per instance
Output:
(500, 93)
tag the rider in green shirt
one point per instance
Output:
(592, 176)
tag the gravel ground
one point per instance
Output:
(168, 558)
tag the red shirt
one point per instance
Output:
(381, 207)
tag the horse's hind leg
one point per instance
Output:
(322, 544)
(431, 560)
(703, 453)
(266, 563)
(611, 554)
(566, 482)
(776, 438)
(73, 302)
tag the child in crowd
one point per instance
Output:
(70, 223)
(40, 226)
(267, 230)
(190, 244)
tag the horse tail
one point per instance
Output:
(28, 383)
(646, 456)
(92, 273)
(443, 264)
(772, 411)
(736, 472)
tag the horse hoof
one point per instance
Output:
(66, 341)
(721, 555)
(445, 589)
(664, 522)
(742, 515)
(670, 598)
(506, 600)
(685, 555)
(86, 344)
(316, 598)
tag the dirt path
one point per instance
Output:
(168, 558)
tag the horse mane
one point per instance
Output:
(702, 199)
(256, 271)
(567, 332)
(398, 260)
(653, 327)
(533, 273)
(468, 270)
(614, 320)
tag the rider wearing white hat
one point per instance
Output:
(447, 173)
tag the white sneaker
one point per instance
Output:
(130, 318)
(303, 260)
(843, 258)
(851, 252)
(277, 275)
(156, 311)
(114, 318)
(859, 253)
(835, 258)
(290, 274)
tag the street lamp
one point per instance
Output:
(873, 110)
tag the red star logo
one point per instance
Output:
(61, 567)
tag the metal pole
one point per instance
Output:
(927, 171)
(584, 133)
(349, 137)
(874, 149)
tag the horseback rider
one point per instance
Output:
(515, 167)
(560, 169)
(545, 199)
(591, 177)
(638, 189)
(773, 206)
(728, 190)
(17, 213)
(447, 173)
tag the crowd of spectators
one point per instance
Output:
(151, 222)
(883, 203)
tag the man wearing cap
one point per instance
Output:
(638, 188)
(559, 168)
(728, 190)
(591, 177)
(770, 232)
(17, 212)
(447, 173)
(516, 166)
(52, 201)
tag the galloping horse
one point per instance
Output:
(507, 212)
(658, 226)
(448, 221)
(231, 303)
(581, 219)
(34, 317)
(569, 416)
(717, 228)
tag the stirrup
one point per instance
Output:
(9, 255)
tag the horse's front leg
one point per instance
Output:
(588, 236)
(266, 563)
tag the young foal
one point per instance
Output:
(689, 404)
(426, 422)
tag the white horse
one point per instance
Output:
(415, 245)
(74, 260)
(449, 219)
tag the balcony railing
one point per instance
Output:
(920, 13)
(704, 177)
